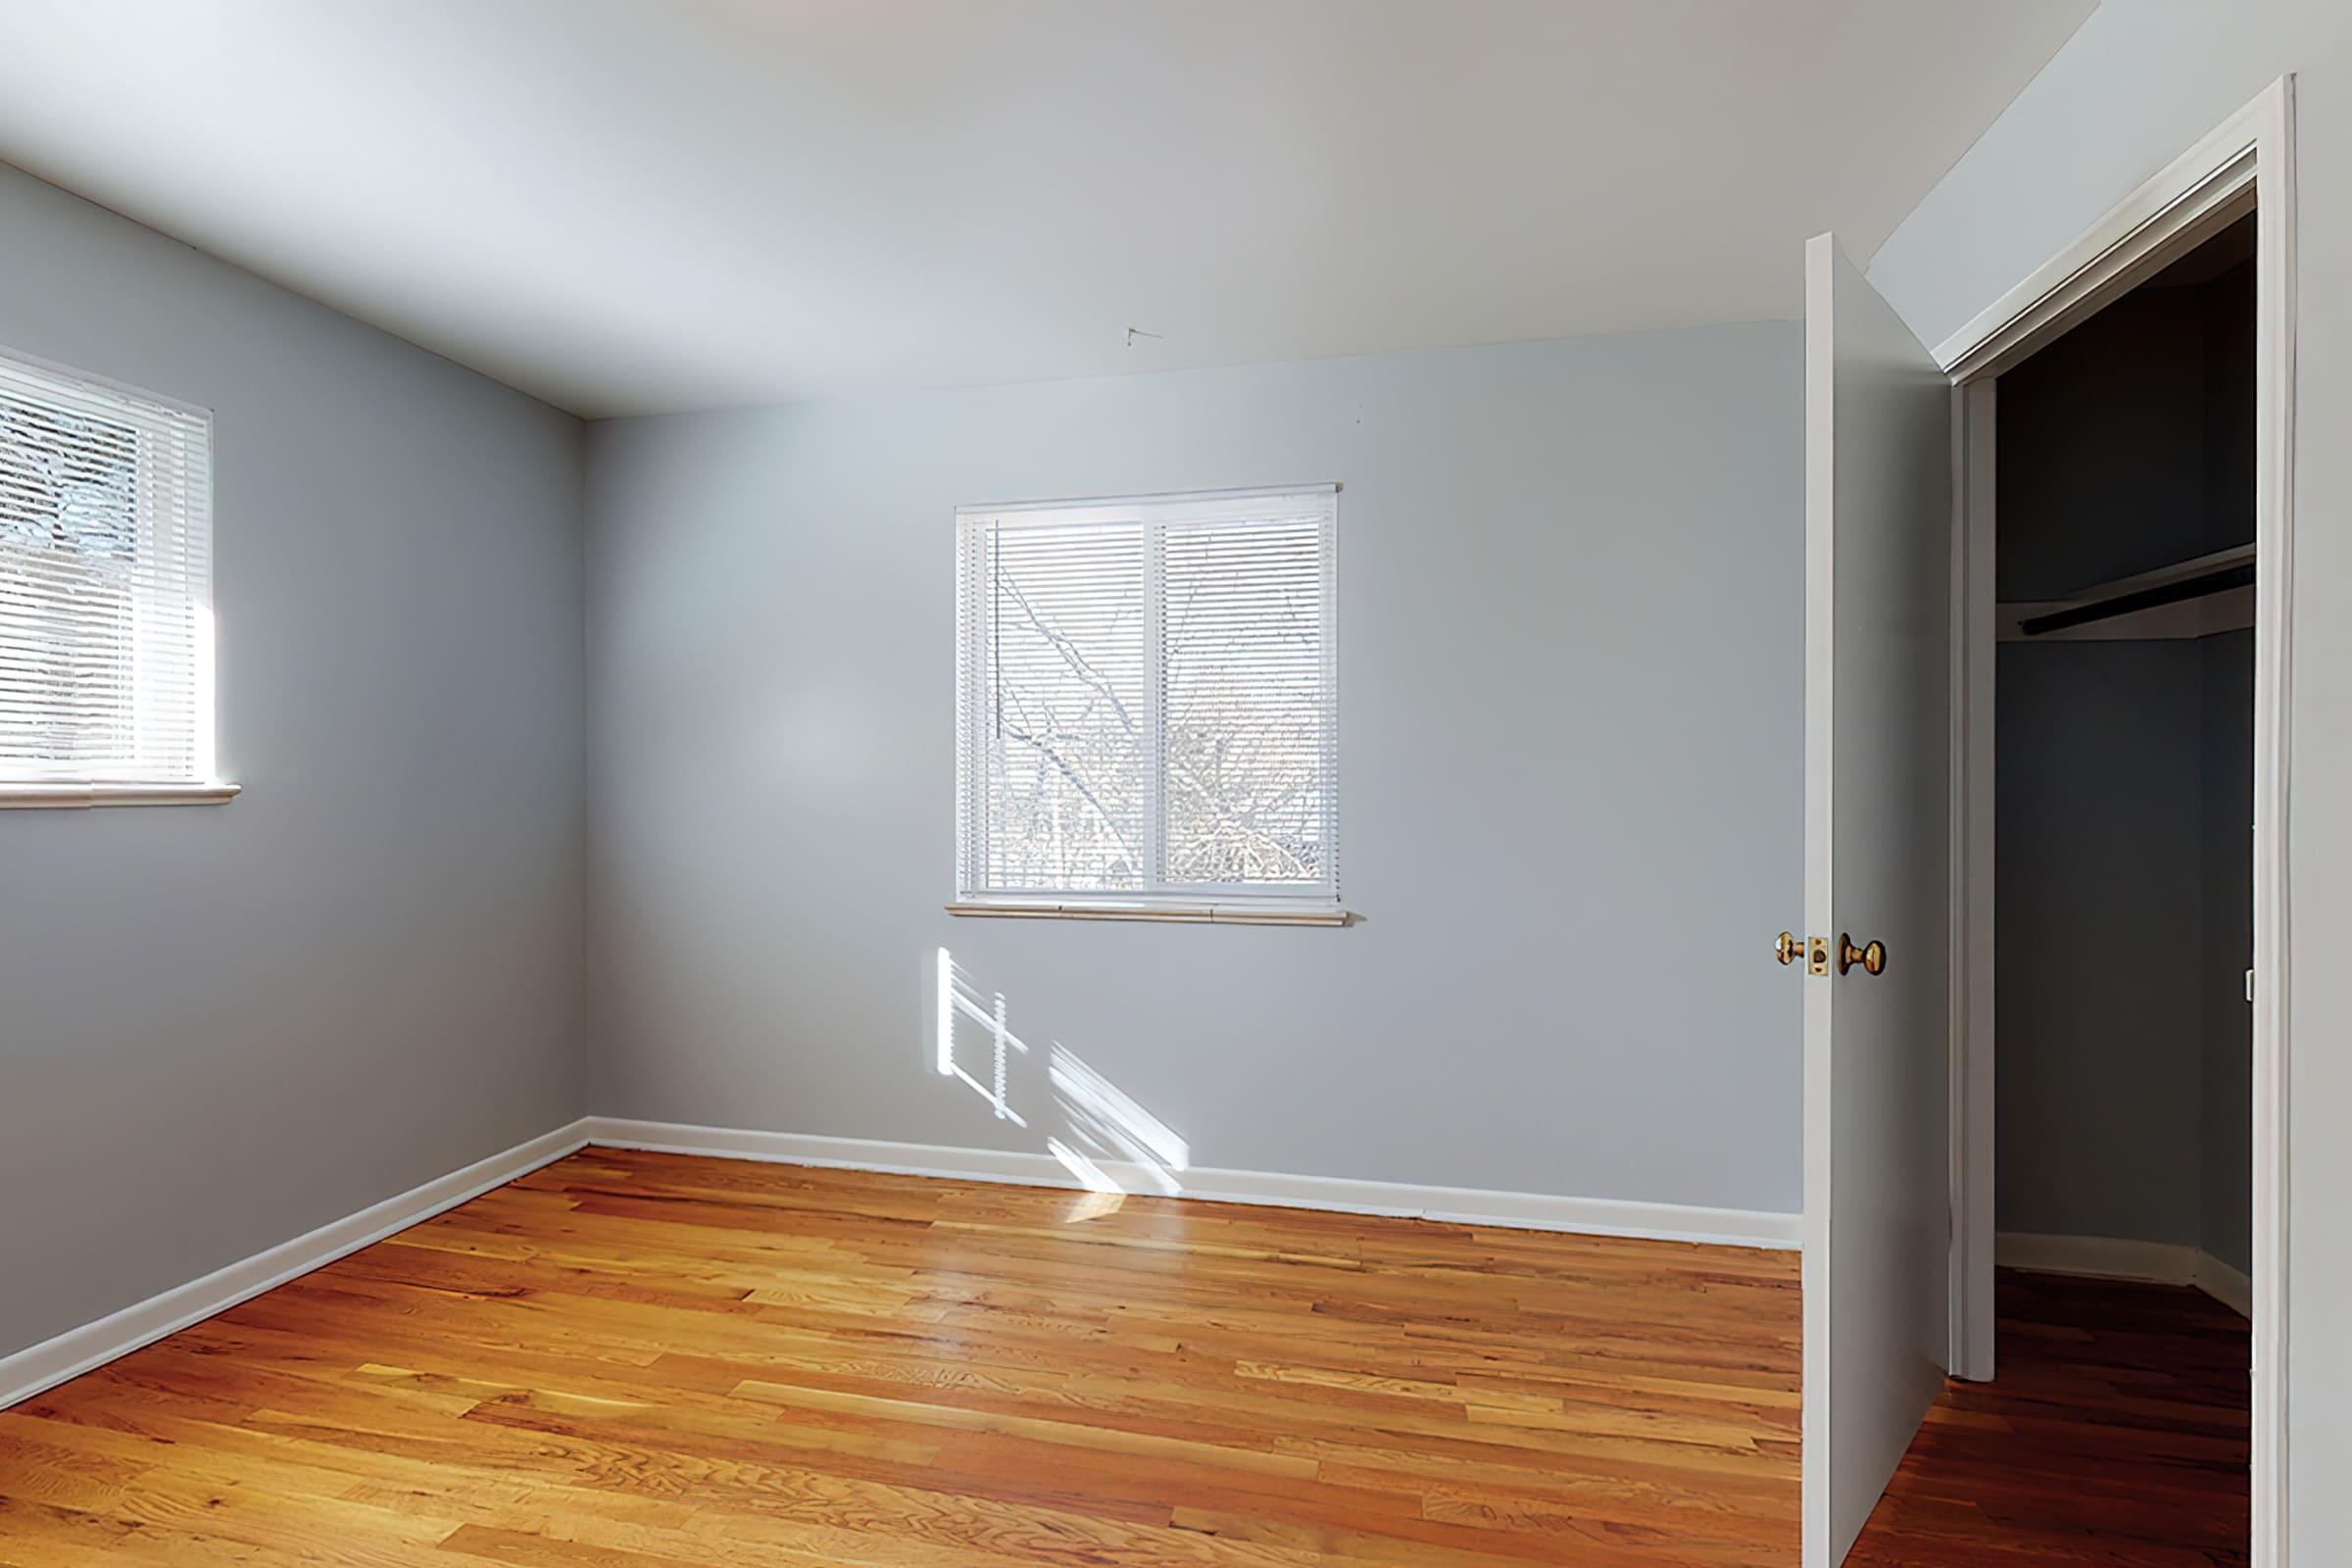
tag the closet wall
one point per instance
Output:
(2125, 783)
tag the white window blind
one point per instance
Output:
(105, 583)
(1148, 700)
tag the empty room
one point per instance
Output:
(1177, 784)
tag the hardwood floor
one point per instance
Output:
(632, 1361)
(2115, 1435)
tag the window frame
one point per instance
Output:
(1316, 903)
(204, 786)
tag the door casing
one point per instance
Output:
(2245, 164)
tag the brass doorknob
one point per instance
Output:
(1789, 948)
(1872, 958)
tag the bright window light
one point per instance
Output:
(1148, 700)
(106, 657)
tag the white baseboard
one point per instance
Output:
(42, 1366)
(2227, 1285)
(1596, 1216)
(2105, 1258)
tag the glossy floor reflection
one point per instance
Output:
(643, 1360)
(2116, 1435)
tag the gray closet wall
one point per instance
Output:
(2124, 789)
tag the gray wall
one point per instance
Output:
(2126, 927)
(221, 1027)
(2225, 1067)
(2138, 85)
(1570, 622)
(2099, 879)
(2124, 864)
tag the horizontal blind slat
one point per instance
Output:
(1221, 777)
(105, 582)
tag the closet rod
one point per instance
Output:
(2218, 582)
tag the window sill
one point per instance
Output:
(81, 797)
(1179, 913)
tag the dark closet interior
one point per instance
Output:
(2124, 467)
(2124, 792)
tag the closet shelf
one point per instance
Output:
(2194, 598)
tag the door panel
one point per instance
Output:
(1878, 863)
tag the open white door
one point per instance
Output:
(1878, 692)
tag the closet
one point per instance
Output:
(2124, 798)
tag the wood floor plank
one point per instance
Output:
(2114, 1437)
(640, 1361)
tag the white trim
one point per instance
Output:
(2224, 1283)
(1149, 524)
(2208, 186)
(1148, 497)
(1178, 911)
(53, 1361)
(42, 1366)
(81, 797)
(2192, 199)
(2107, 1257)
(2104, 1257)
(1460, 1206)
(2273, 686)
(1817, 1302)
(1970, 1354)
(129, 394)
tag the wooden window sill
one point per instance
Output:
(1179, 913)
(77, 796)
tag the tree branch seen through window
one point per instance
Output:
(1147, 699)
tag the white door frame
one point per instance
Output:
(2247, 163)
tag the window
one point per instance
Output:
(1147, 702)
(105, 590)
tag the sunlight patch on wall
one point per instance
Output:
(1111, 1144)
(1108, 1120)
(959, 998)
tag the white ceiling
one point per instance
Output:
(629, 206)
